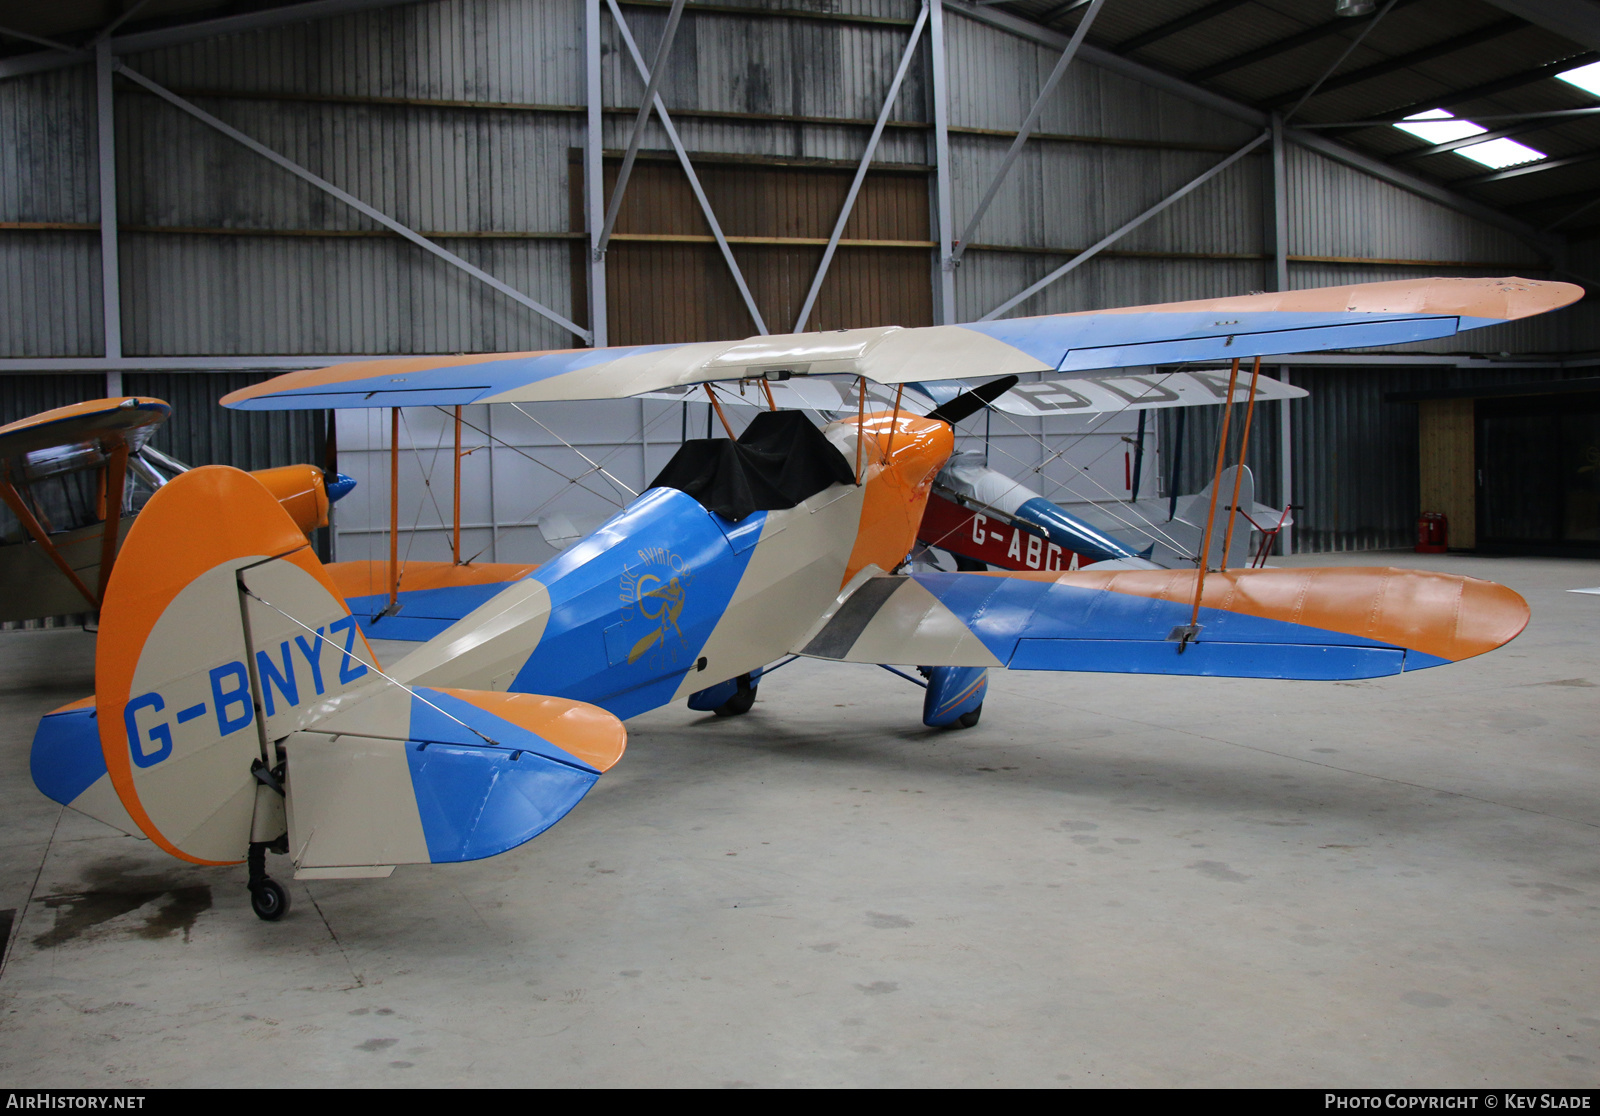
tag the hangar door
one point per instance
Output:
(1539, 474)
(666, 280)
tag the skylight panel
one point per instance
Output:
(1439, 126)
(1586, 78)
(1500, 153)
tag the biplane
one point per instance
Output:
(74, 478)
(240, 709)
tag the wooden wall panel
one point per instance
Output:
(1448, 461)
(669, 290)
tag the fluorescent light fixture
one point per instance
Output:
(1439, 126)
(1586, 78)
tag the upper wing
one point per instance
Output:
(124, 419)
(1347, 622)
(1247, 326)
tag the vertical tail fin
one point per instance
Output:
(227, 654)
(200, 667)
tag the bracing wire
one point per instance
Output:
(571, 481)
(593, 466)
(427, 492)
(518, 450)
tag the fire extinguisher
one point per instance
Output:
(1433, 533)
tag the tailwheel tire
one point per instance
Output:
(967, 720)
(269, 900)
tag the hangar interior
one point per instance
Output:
(1111, 880)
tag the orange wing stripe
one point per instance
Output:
(587, 731)
(1446, 615)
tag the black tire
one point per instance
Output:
(741, 701)
(967, 720)
(269, 900)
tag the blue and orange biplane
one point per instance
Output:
(239, 708)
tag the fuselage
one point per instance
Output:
(667, 597)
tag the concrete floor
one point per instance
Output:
(1110, 881)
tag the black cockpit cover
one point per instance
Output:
(779, 460)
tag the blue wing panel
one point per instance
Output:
(1031, 624)
(1209, 658)
(1349, 335)
(1085, 341)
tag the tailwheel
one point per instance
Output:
(269, 899)
(741, 701)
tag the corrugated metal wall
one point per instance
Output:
(1065, 195)
(224, 254)
(1355, 463)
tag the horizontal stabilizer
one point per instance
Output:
(69, 767)
(439, 776)
(1269, 623)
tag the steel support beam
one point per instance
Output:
(354, 202)
(11, 32)
(1111, 238)
(944, 219)
(861, 170)
(1311, 90)
(194, 32)
(1172, 27)
(110, 273)
(645, 105)
(1029, 122)
(1335, 26)
(1390, 65)
(1468, 141)
(689, 172)
(1377, 168)
(1530, 168)
(594, 188)
(127, 13)
(1505, 84)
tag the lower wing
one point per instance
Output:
(1268, 623)
(429, 596)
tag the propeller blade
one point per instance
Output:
(971, 402)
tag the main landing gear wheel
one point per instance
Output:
(269, 900)
(967, 720)
(741, 701)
